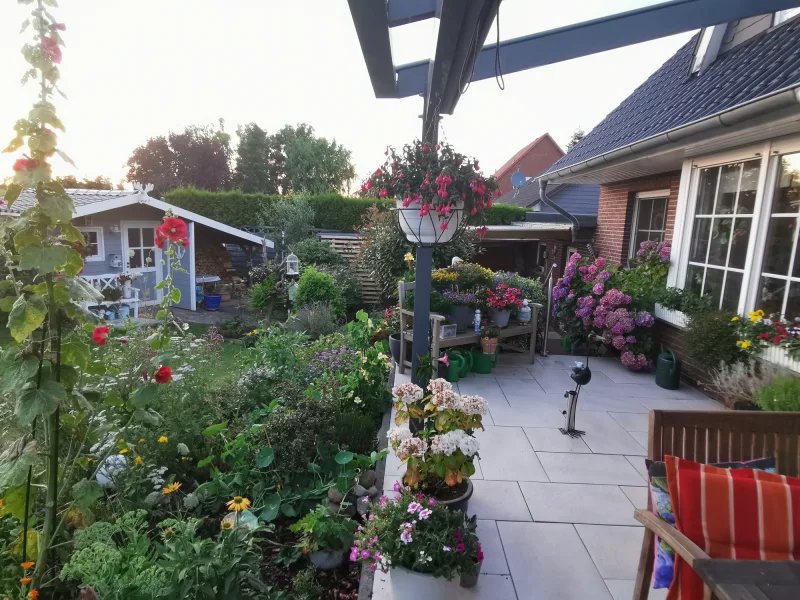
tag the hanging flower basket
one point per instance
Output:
(429, 228)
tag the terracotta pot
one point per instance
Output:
(489, 345)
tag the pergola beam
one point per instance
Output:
(403, 12)
(599, 35)
(372, 27)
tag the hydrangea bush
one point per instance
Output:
(592, 311)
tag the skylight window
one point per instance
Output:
(702, 49)
(784, 15)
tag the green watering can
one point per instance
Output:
(460, 365)
(483, 363)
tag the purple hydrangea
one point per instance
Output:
(603, 276)
(600, 262)
(618, 341)
(635, 362)
(598, 289)
(615, 298)
(570, 269)
(620, 321)
(645, 319)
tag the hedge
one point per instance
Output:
(332, 211)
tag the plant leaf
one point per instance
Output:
(272, 505)
(75, 352)
(57, 206)
(39, 401)
(144, 395)
(149, 416)
(85, 493)
(342, 458)
(16, 372)
(205, 462)
(265, 457)
(42, 258)
(66, 158)
(12, 193)
(14, 463)
(26, 315)
(213, 430)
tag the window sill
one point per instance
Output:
(673, 317)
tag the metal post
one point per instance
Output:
(544, 351)
(422, 314)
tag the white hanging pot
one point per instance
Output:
(427, 229)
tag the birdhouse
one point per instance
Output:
(292, 265)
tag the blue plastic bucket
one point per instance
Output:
(212, 301)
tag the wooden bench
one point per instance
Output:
(710, 437)
(467, 338)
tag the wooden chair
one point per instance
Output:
(710, 437)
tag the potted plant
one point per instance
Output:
(489, 333)
(423, 545)
(225, 291)
(112, 294)
(461, 308)
(501, 301)
(392, 317)
(325, 536)
(440, 456)
(435, 190)
(126, 278)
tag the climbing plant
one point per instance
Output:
(43, 478)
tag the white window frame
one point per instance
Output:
(769, 152)
(784, 15)
(101, 251)
(652, 195)
(570, 251)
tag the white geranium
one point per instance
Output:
(472, 405)
(411, 447)
(398, 435)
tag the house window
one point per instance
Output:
(94, 243)
(570, 251)
(141, 248)
(541, 259)
(784, 15)
(649, 219)
(779, 288)
(721, 228)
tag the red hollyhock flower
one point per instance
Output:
(185, 242)
(100, 335)
(163, 375)
(51, 48)
(160, 239)
(426, 148)
(22, 164)
(59, 27)
(174, 229)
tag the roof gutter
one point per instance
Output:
(778, 100)
(571, 218)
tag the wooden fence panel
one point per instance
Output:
(349, 246)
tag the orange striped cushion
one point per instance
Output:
(742, 514)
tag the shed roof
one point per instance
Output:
(672, 97)
(574, 198)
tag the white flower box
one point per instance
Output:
(777, 356)
(673, 317)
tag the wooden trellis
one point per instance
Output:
(349, 246)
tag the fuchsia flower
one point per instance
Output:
(446, 361)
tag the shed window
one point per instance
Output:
(94, 243)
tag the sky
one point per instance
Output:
(137, 69)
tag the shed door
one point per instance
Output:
(141, 255)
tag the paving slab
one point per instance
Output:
(494, 561)
(614, 550)
(632, 421)
(498, 501)
(637, 462)
(548, 561)
(506, 454)
(553, 381)
(622, 589)
(674, 404)
(517, 371)
(578, 503)
(607, 469)
(641, 437)
(605, 436)
(637, 495)
(528, 416)
(610, 403)
(545, 439)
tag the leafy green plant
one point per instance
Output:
(315, 319)
(349, 286)
(261, 294)
(292, 217)
(315, 286)
(711, 339)
(305, 585)
(782, 394)
(280, 348)
(317, 252)
(233, 327)
(294, 431)
(356, 431)
(112, 294)
(323, 530)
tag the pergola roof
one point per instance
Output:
(460, 55)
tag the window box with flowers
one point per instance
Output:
(770, 338)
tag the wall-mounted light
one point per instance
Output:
(114, 228)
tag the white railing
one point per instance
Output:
(109, 281)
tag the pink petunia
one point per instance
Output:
(414, 507)
(425, 513)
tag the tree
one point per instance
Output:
(253, 173)
(577, 136)
(98, 183)
(291, 160)
(199, 157)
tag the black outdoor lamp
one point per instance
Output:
(581, 375)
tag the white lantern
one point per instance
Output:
(292, 265)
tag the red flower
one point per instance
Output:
(383, 193)
(51, 48)
(163, 375)
(124, 340)
(174, 229)
(369, 184)
(59, 27)
(379, 172)
(479, 554)
(160, 239)
(764, 335)
(777, 339)
(22, 164)
(185, 242)
(426, 148)
(100, 335)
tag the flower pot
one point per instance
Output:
(212, 301)
(460, 503)
(124, 311)
(500, 317)
(462, 315)
(327, 559)
(127, 289)
(427, 229)
(394, 347)
(468, 580)
(421, 586)
(489, 345)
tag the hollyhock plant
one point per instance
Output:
(401, 534)
(174, 229)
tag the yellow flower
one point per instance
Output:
(226, 525)
(172, 487)
(409, 258)
(163, 439)
(254, 332)
(734, 319)
(138, 460)
(743, 344)
(27, 565)
(121, 441)
(239, 504)
(123, 451)
(141, 440)
(90, 459)
(756, 315)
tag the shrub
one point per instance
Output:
(711, 339)
(356, 432)
(503, 214)
(261, 294)
(259, 273)
(737, 384)
(348, 284)
(315, 286)
(233, 327)
(316, 319)
(317, 252)
(295, 429)
(782, 394)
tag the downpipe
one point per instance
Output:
(549, 280)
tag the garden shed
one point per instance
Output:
(119, 228)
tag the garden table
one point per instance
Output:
(750, 579)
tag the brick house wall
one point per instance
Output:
(612, 241)
(531, 161)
